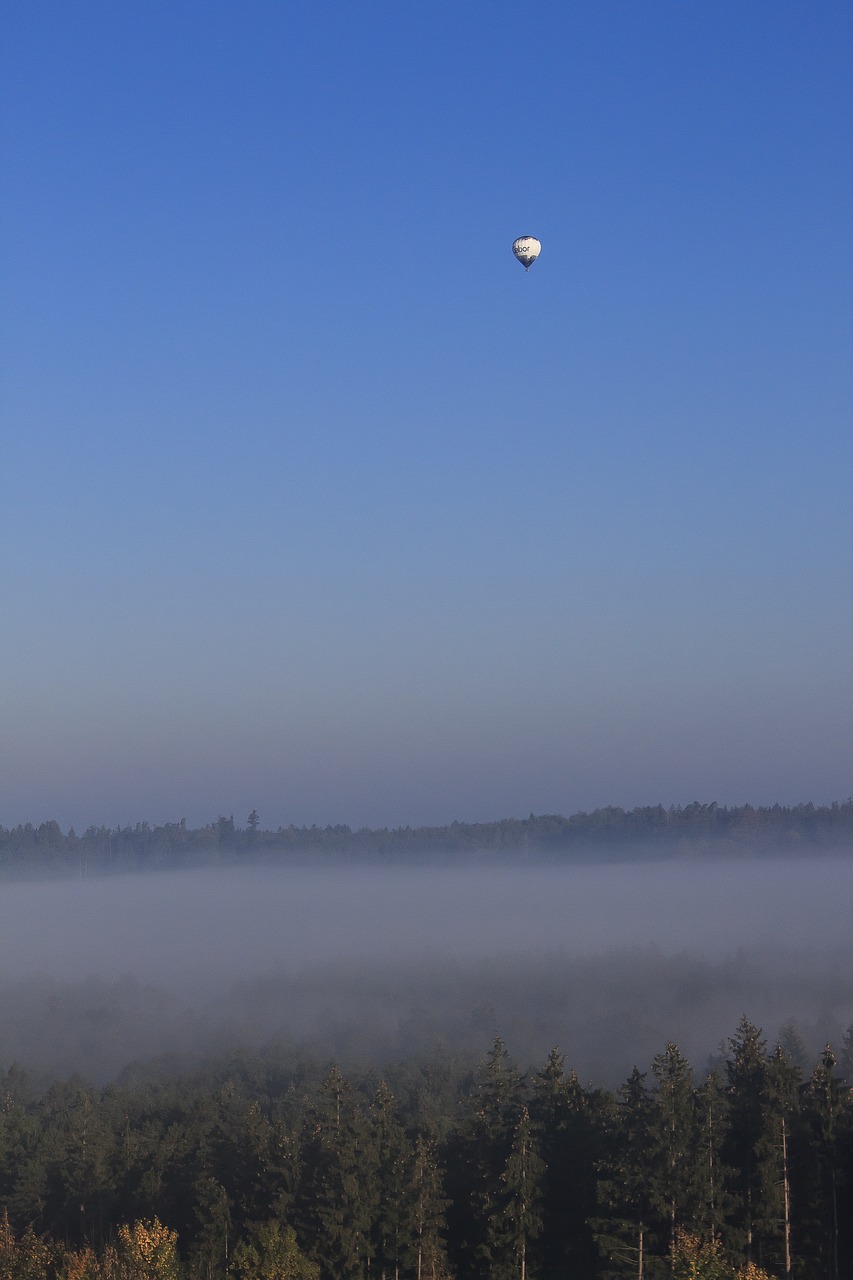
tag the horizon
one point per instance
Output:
(454, 822)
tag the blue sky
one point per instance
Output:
(313, 501)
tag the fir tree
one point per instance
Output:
(392, 1224)
(338, 1185)
(714, 1200)
(215, 1232)
(826, 1098)
(518, 1219)
(477, 1159)
(499, 1104)
(568, 1124)
(674, 1138)
(774, 1151)
(628, 1183)
(746, 1069)
(429, 1204)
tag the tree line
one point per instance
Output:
(652, 830)
(264, 1168)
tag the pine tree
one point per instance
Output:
(774, 1151)
(518, 1219)
(337, 1190)
(825, 1099)
(498, 1101)
(392, 1224)
(498, 1093)
(23, 1178)
(77, 1153)
(746, 1069)
(211, 1248)
(674, 1137)
(239, 1143)
(429, 1204)
(569, 1127)
(624, 1230)
(714, 1200)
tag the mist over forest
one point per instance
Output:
(365, 963)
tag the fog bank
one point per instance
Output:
(364, 962)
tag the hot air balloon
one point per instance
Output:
(527, 250)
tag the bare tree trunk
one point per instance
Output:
(786, 1190)
(834, 1223)
(672, 1215)
(749, 1224)
(711, 1182)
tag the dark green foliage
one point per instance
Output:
(278, 1172)
(570, 1125)
(339, 1191)
(428, 1245)
(393, 1218)
(674, 1148)
(747, 1090)
(777, 1150)
(214, 1231)
(714, 1200)
(478, 1159)
(829, 1127)
(517, 1219)
(630, 1182)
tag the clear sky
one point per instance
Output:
(314, 501)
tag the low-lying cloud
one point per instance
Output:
(367, 962)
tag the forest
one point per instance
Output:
(651, 831)
(269, 1152)
(276, 1167)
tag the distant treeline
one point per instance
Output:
(649, 831)
(265, 1168)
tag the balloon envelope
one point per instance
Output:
(527, 250)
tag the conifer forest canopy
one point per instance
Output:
(268, 1166)
(560, 1046)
